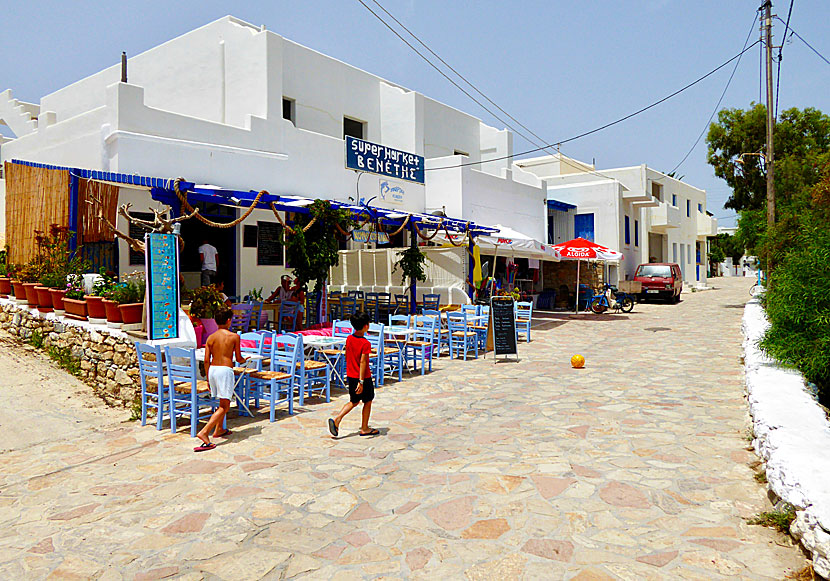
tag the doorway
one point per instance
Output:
(195, 232)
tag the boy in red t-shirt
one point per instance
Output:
(359, 376)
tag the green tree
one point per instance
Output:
(802, 148)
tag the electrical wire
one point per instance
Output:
(722, 95)
(612, 123)
(536, 142)
(781, 56)
(801, 38)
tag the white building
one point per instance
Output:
(645, 214)
(240, 107)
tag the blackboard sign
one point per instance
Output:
(269, 244)
(503, 325)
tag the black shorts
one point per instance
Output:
(368, 393)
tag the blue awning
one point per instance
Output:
(561, 206)
(162, 190)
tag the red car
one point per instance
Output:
(660, 280)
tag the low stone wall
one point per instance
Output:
(792, 436)
(106, 356)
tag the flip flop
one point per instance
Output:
(224, 434)
(204, 447)
(372, 432)
(333, 428)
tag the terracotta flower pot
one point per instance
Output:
(19, 291)
(44, 299)
(31, 293)
(57, 298)
(5, 286)
(131, 313)
(95, 307)
(75, 308)
(113, 313)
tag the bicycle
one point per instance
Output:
(757, 288)
(620, 301)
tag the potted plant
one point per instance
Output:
(5, 281)
(205, 302)
(73, 300)
(96, 310)
(18, 290)
(29, 276)
(411, 262)
(130, 298)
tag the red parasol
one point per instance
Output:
(580, 249)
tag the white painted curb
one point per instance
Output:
(792, 435)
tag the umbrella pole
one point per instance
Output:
(576, 302)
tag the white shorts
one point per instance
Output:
(221, 381)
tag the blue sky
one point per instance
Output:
(560, 68)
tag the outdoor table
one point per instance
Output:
(320, 344)
(400, 335)
(242, 372)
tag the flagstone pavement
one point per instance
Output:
(635, 467)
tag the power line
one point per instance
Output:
(801, 38)
(460, 88)
(722, 95)
(620, 120)
(781, 56)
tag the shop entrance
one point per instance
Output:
(195, 232)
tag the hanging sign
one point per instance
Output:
(162, 275)
(378, 159)
(370, 236)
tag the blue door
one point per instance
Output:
(584, 226)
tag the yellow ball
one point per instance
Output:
(578, 361)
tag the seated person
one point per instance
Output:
(220, 286)
(284, 292)
(298, 294)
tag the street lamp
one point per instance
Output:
(740, 159)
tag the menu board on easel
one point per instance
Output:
(501, 336)
(162, 275)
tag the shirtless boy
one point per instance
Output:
(220, 349)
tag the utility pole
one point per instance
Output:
(767, 7)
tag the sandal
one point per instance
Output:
(372, 432)
(204, 447)
(224, 434)
(333, 427)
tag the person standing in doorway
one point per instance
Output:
(210, 258)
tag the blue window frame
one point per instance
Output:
(627, 233)
(674, 200)
(636, 232)
(584, 226)
(688, 208)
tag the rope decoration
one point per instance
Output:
(405, 222)
(449, 236)
(186, 206)
(434, 234)
(288, 228)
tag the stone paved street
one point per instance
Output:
(635, 467)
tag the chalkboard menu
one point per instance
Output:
(269, 244)
(503, 325)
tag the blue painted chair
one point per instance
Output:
(401, 304)
(371, 307)
(312, 306)
(277, 384)
(311, 375)
(402, 320)
(241, 317)
(524, 314)
(377, 340)
(422, 346)
(470, 309)
(586, 295)
(153, 382)
(442, 334)
(334, 304)
(431, 302)
(248, 391)
(462, 339)
(288, 313)
(188, 394)
(348, 306)
(356, 294)
(256, 315)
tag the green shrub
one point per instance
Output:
(63, 357)
(798, 308)
(36, 339)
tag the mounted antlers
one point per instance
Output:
(159, 224)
